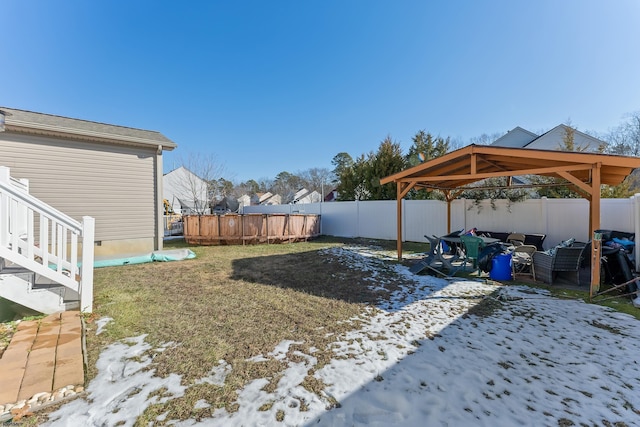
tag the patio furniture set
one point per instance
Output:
(468, 248)
(569, 261)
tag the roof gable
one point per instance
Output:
(554, 140)
(182, 173)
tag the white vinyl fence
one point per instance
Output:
(559, 219)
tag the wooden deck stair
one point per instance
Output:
(40, 250)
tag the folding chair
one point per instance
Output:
(522, 260)
(516, 239)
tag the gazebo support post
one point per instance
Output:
(402, 188)
(591, 191)
(449, 199)
(594, 224)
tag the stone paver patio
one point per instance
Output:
(44, 356)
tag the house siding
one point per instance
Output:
(115, 184)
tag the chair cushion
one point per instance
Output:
(535, 240)
(563, 244)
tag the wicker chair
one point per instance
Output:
(565, 259)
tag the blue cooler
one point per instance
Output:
(501, 267)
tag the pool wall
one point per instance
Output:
(239, 229)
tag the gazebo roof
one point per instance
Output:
(585, 171)
(477, 162)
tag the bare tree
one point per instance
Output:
(317, 179)
(286, 184)
(486, 139)
(194, 185)
(625, 138)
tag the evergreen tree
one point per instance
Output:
(425, 147)
(351, 180)
(387, 161)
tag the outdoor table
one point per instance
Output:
(448, 263)
(456, 239)
(437, 256)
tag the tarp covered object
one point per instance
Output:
(160, 256)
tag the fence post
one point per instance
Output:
(86, 276)
(321, 218)
(357, 218)
(544, 215)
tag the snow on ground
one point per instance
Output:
(419, 360)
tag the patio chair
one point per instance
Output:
(535, 240)
(472, 246)
(428, 259)
(516, 239)
(565, 259)
(522, 260)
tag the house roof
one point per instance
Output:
(553, 140)
(516, 137)
(182, 171)
(550, 140)
(21, 121)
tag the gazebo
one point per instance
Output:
(455, 171)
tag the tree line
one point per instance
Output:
(359, 178)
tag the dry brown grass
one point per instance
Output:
(231, 303)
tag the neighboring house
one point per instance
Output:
(551, 140)
(258, 198)
(332, 196)
(109, 172)
(305, 196)
(243, 201)
(275, 199)
(186, 192)
(266, 199)
(226, 205)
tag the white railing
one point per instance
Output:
(44, 240)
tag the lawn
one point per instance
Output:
(231, 303)
(336, 331)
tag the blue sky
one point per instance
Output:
(272, 86)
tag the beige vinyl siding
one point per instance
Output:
(114, 184)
